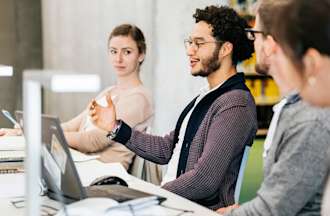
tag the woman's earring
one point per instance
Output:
(311, 80)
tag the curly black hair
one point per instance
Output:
(227, 25)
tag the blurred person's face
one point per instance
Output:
(262, 62)
(124, 55)
(283, 72)
(203, 50)
(315, 84)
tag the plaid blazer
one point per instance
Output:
(215, 153)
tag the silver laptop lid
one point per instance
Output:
(58, 169)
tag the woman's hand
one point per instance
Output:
(227, 209)
(10, 132)
(103, 117)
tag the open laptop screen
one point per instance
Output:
(58, 169)
(60, 175)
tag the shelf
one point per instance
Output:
(262, 132)
(266, 101)
(256, 76)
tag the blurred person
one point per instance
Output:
(205, 149)
(307, 48)
(296, 146)
(126, 50)
(305, 55)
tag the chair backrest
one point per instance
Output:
(146, 170)
(136, 167)
(241, 173)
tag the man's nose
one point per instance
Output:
(190, 50)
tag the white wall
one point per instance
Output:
(75, 36)
(174, 86)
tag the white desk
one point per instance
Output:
(90, 170)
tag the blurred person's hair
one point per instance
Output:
(227, 25)
(267, 11)
(301, 25)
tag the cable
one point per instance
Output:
(132, 210)
(49, 210)
(16, 204)
(182, 211)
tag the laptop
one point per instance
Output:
(59, 173)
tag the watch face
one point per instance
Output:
(111, 135)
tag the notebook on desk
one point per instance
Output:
(11, 167)
(12, 156)
(58, 170)
(12, 143)
(11, 161)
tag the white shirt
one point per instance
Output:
(273, 124)
(174, 161)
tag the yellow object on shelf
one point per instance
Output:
(266, 100)
(262, 132)
(271, 89)
(255, 86)
(264, 90)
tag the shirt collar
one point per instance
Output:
(292, 97)
(206, 89)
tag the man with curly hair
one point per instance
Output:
(205, 149)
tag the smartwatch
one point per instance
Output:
(113, 133)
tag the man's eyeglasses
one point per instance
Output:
(195, 44)
(250, 33)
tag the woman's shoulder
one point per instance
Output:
(136, 102)
(139, 91)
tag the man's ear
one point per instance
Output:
(269, 45)
(226, 49)
(312, 62)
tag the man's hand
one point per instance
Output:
(103, 117)
(227, 209)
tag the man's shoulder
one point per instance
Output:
(234, 98)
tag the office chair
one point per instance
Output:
(241, 173)
(146, 170)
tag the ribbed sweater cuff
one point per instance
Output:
(124, 133)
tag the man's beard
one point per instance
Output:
(262, 69)
(210, 65)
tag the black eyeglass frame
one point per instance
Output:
(251, 33)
